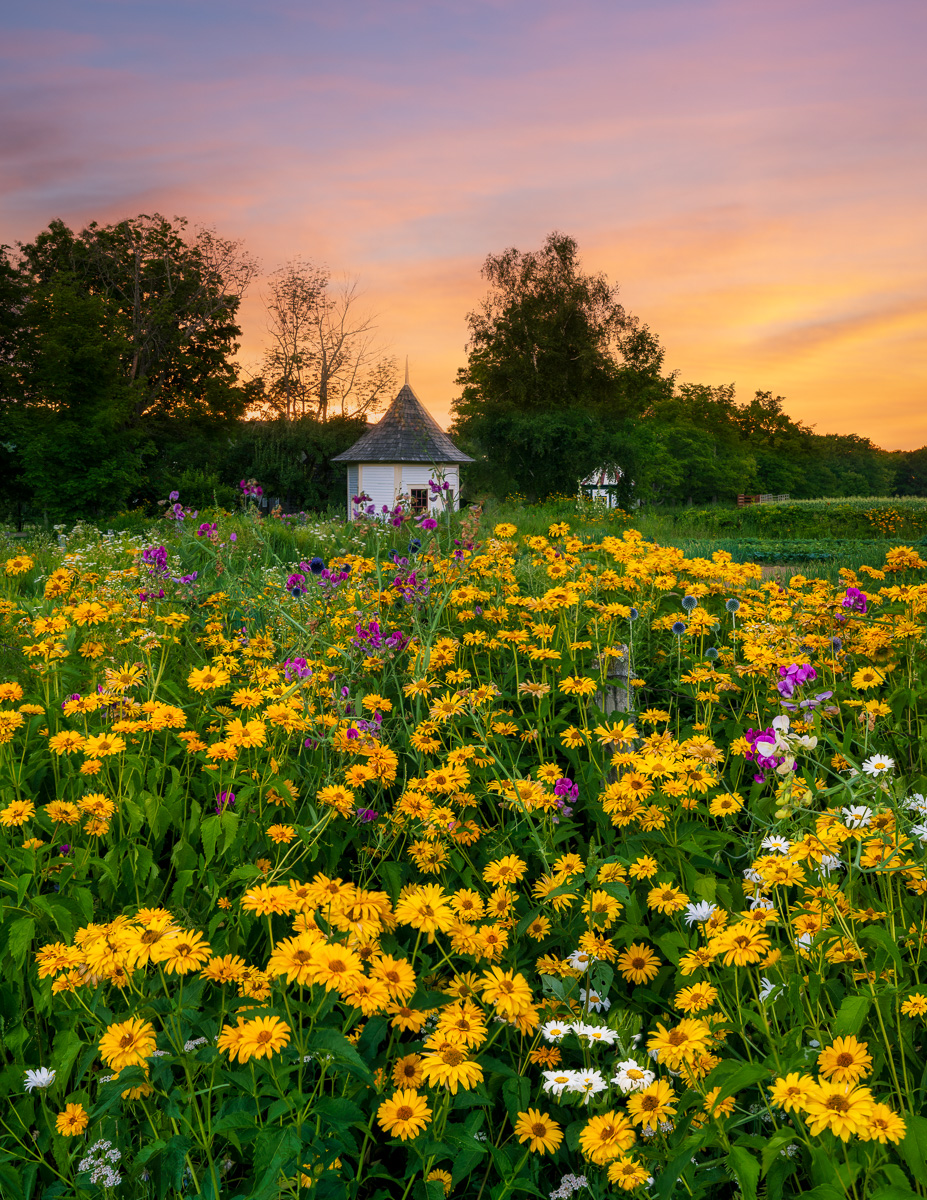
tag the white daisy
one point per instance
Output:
(696, 914)
(554, 1031)
(857, 816)
(593, 1002)
(556, 1082)
(598, 1034)
(776, 844)
(918, 804)
(632, 1078)
(587, 1083)
(878, 764)
(42, 1078)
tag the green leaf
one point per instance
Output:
(209, 834)
(330, 1041)
(174, 1158)
(773, 1149)
(747, 1170)
(19, 938)
(875, 933)
(274, 1149)
(913, 1147)
(336, 1110)
(851, 1015)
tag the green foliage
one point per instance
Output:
(555, 366)
(77, 448)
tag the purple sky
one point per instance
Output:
(753, 175)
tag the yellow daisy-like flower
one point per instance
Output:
(867, 677)
(846, 1060)
(262, 1037)
(396, 973)
(407, 1071)
(72, 1120)
(102, 745)
(67, 742)
(182, 953)
(127, 1043)
(792, 1091)
(577, 685)
(841, 1108)
(667, 899)
(696, 998)
(509, 993)
(742, 944)
(542, 1134)
(281, 834)
(683, 1043)
(628, 1173)
(639, 963)
(205, 679)
(18, 812)
(446, 1064)
(405, 1114)
(652, 1105)
(509, 869)
(606, 1137)
(884, 1125)
(915, 1005)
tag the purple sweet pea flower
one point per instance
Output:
(224, 800)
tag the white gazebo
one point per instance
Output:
(398, 457)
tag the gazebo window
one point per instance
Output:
(418, 499)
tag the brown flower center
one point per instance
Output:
(453, 1058)
(403, 1113)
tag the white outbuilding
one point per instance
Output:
(397, 457)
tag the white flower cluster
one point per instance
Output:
(101, 1161)
(629, 1076)
(556, 1031)
(568, 1185)
(193, 1043)
(584, 1084)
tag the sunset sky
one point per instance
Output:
(753, 175)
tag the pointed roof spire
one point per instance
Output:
(407, 370)
(407, 432)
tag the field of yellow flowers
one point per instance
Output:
(479, 865)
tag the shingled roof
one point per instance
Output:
(407, 432)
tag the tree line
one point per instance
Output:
(561, 381)
(119, 383)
